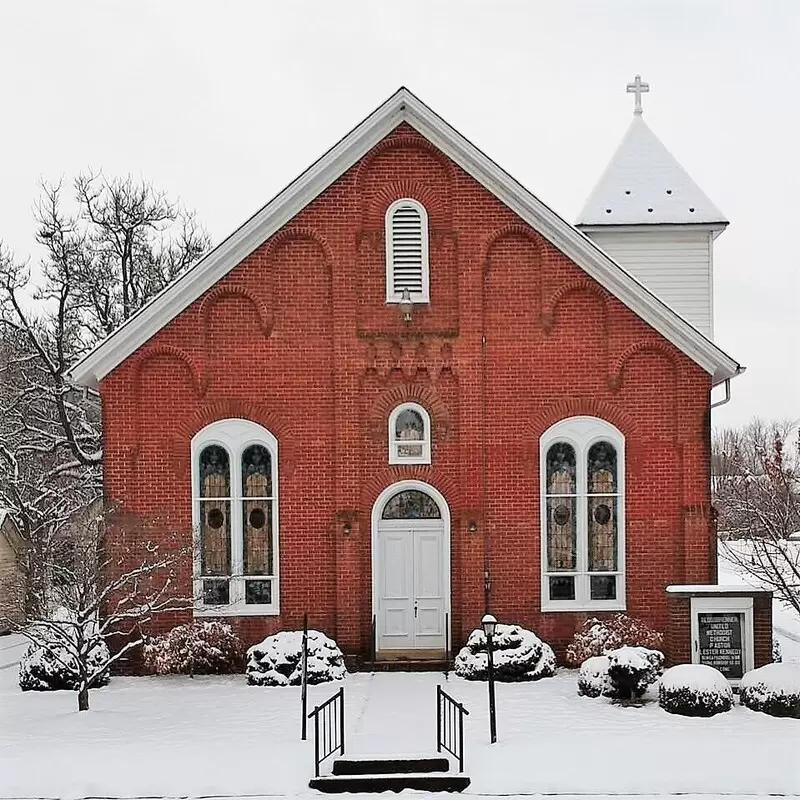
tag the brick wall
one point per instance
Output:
(299, 339)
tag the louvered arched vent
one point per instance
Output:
(407, 251)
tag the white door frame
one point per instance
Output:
(377, 511)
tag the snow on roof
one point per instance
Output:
(645, 185)
(713, 589)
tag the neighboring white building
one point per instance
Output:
(654, 220)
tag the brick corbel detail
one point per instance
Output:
(616, 372)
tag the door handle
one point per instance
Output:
(415, 610)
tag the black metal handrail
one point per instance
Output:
(329, 721)
(450, 726)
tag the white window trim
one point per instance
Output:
(395, 443)
(235, 435)
(391, 295)
(582, 433)
(724, 605)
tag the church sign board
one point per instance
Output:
(725, 627)
(721, 642)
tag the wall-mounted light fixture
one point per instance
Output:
(406, 306)
(473, 526)
(347, 528)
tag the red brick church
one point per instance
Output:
(406, 390)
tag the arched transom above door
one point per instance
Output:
(411, 504)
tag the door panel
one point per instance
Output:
(429, 588)
(396, 630)
(411, 581)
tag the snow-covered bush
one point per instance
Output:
(599, 636)
(202, 647)
(622, 674)
(593, 679)
(518, 655)
(277, 661)
(773, 689)
(51, 661)
(694, 690)
(632, 669)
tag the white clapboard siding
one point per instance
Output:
(675, 265)
(407, 251)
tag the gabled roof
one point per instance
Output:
(403, 106)
(645, 185)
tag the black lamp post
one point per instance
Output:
(489, 623)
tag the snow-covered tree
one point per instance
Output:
(113, 574)
(106, 251)
(756, 484)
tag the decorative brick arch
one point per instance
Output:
(139, 362)
(507, 231)
(586, 407)
(447, 486)
(264, 313)
(550, 306)
(616, 371)
(231, 408)
(377, 414)
(303, 233)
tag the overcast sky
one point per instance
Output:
(224, 103)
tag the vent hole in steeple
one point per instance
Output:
(608, 211)
(669, 191)
(691, 210)
(650, 210)
(627, 191)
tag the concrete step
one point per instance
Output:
(425, 782)
(390, 766)
(405, 665)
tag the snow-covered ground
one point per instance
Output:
(217, 736)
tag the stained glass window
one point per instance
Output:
(582, 515)
(561, 522)
(601, 471)
(409, 435)
(411, 504)
(236, 510)
(215, 511)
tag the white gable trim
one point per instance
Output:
(403, 106)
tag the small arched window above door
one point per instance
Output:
(409, 435)
(411, 504)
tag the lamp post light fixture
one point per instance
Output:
(406, 306)
(489, 624)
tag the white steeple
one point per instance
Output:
(650, 216)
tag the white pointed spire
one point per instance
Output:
(645, 185)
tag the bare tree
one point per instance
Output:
(123, 242)
(756, 485)
(107, 588)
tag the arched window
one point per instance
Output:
(583, 515)
(407, 252)
(234, 480)
(409, 435)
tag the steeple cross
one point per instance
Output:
(638, 88)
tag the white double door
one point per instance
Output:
(411, 585)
